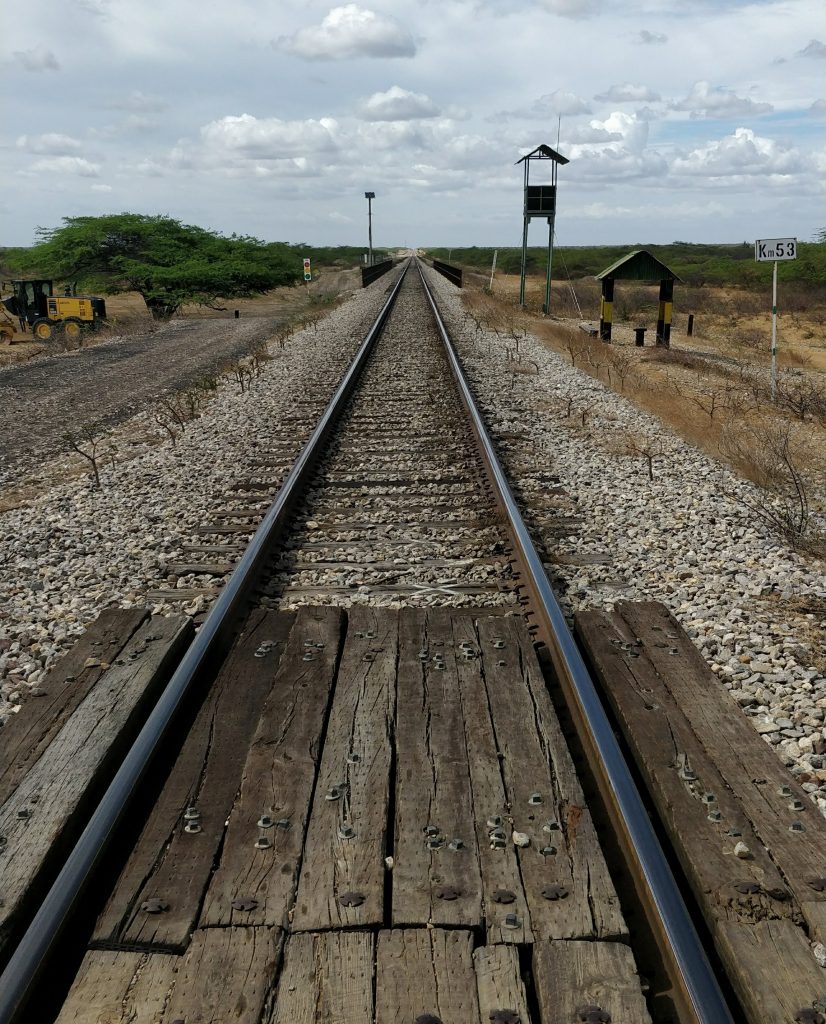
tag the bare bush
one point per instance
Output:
(770, 455)
(647, 446)
(87, 441)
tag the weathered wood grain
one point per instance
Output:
(118, 987)
(167, 862)
(26, 736)
(423, 971)
(782, 951)
(545, 798)
(225, 975)
(504, 922)
(49, 807)
(753, 771)
(499, 982)
(433, 785)
(571, 975)
(356, 763)
(682, 779)
(327, 978)
(278, 779)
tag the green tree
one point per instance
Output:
(167, 262)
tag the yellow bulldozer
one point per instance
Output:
(38, 309)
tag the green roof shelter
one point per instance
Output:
(639, 265)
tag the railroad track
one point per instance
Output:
(388, 826)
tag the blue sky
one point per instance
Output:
(703, 122)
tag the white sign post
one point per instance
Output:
(493, 269)
(771, 250)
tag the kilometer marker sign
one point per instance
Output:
(307, 272)
(767, 250)
(772, 250)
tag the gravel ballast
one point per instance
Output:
(687, 538)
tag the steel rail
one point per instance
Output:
(198, 666)
(701, 998)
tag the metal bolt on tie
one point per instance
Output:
(498, 643)
(512, 921)
(709, 798)
(431, 830)
(283, 823)
(353, 757)
(24, 814)
(192, 828)
(265, 821)
(262, 843)
(346, 831)
(497, 843)
(797, 826)
(456, 844)
(535, 798)
(192, 814)
(688, 774)
(497, 833)
(308, 656)
(797, 805)
(715, 816)
(334, 793)
(548, 851)
(501, 663)
(551, 826)
(434, 842)
(495, 821)
(423, 655)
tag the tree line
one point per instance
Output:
(167, 262)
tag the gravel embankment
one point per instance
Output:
(42, 400)
(72, 551)
(686, 538)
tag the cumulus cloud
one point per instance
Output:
(270, 137)
(740, 155)
(67, 165)
(37, 59)
(628, 93)
(398, 104)
(617, 149)
(707, 101)
(651, 38)
(52, 143)
(815, 48)
(351, 31)
(572, 8)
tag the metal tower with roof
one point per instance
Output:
(539, 201)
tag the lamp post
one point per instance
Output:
(370, 196)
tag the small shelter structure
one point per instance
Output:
(639, 265)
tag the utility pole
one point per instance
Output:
(370, 196)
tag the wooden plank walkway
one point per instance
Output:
(750, 842)
(389, 828)
(97, 698)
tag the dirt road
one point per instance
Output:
(41, 401)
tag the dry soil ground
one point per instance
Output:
(46, 393)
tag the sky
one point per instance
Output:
(700, 122)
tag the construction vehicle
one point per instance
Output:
(37, 308)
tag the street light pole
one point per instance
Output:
(370, 196)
